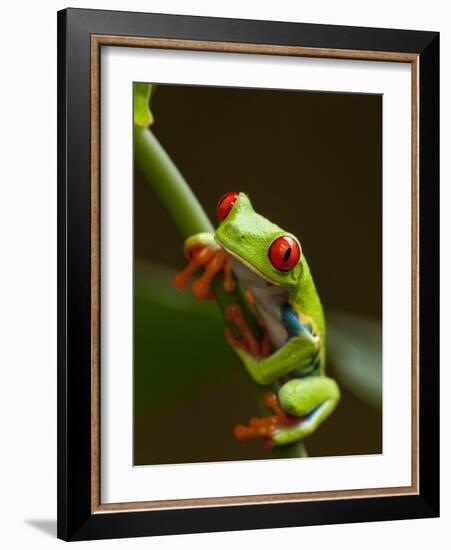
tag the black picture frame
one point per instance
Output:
(76, 520)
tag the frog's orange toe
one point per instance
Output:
(242, 433)
(180, 280)
(201, 289)
(264, 427)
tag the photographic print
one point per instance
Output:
(257, 302)
(247, 254)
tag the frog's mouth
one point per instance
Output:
(268, 297)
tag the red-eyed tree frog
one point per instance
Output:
(290, 358)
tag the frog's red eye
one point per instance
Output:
(284, 253)
(225, 204)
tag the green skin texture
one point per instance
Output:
(248, 236)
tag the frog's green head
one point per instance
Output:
(259, 244)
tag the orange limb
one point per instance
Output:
(265, 426)
(247, 341)
(250, 297)
(229, 283)
(213, 260)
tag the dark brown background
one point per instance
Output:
(312, 163)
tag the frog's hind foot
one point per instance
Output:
(264, 427)
(310, 400)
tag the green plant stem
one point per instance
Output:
(168, 183)
(185, 210)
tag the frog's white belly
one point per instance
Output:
(269, 300)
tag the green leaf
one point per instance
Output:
(354, 347)
(141, 97)
(179, 342)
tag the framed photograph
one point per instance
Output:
(248, 274)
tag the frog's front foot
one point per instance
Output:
(266, 426)
(213, 259)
